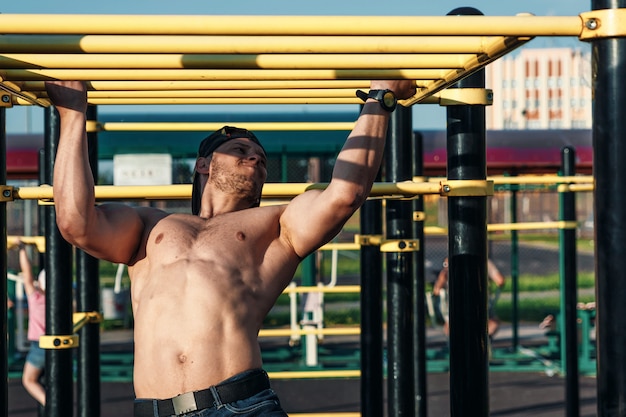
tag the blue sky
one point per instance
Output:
(426, 117)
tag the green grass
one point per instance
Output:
(530, 308)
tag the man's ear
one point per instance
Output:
(202, 165)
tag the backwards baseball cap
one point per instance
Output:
(208, 146)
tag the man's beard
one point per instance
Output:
(238, 184)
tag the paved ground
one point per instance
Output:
(531, 393)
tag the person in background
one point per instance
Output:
(36, 295)
(493, 273)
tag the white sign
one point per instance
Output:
(142, 169)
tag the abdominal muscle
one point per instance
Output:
(192, 330)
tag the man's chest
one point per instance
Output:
(227, 238)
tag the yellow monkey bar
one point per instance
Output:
(176, 53)
(66, 24)
(125, 53)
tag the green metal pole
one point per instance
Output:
(514, 270)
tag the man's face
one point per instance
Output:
(239, 167)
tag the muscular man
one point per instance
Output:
(202, 284)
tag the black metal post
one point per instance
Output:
(59, 375)
(371, 312)
(4, 328)
(567, 266)
(399, 271)
(88, 300)
(609, 152)
(467, 253)
(419, 283)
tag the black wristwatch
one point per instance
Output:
(386, 98)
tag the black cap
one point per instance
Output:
(208, 146)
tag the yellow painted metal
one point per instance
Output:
(183, 191)
(288, 190)
(295, 92)
(38, 241)
(605, 23)
(463, 96)
(348, 331)
(496, 48)
(575, 187)
(216, 74)
(315, 374)
(58, 342)
(400, 245)
(419, 216)
(532, 226)
(80, 319)
(290, 25)
(209, 127)
(6, 100)
(368, 240)
(18, 93)
(219, 44)
(455, 188)
(340, 246)
(522, 179)
(324, 289)
(233, 61)
(207, 85)
(541, 179)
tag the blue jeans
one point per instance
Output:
(36, 356)
(262, 404)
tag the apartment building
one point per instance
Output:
(543, 88)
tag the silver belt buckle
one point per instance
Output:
(184, 403)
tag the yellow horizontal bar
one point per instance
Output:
(532, 226)
(235, 61)
(183, 191)
(229, 100)
(575, 187)
(203, 101)
(524, 179)
(289, 25)
(209, 127)
(270, 190)
(340, 246)
(216, 74)
(217, 44)
(323, 289)
(352, 331)
(296, 92)
(315, 374)
(542, 179)
(206, 85)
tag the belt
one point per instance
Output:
(216, 395)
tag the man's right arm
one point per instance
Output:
(110, 232)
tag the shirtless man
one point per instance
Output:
(202, 284)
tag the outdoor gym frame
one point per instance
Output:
(437, 52)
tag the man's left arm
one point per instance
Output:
(315, 217)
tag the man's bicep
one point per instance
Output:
(116, 235)
(311, 220)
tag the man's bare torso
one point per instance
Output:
(200, 291)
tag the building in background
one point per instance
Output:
(548, 88)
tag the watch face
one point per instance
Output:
(389, 99)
